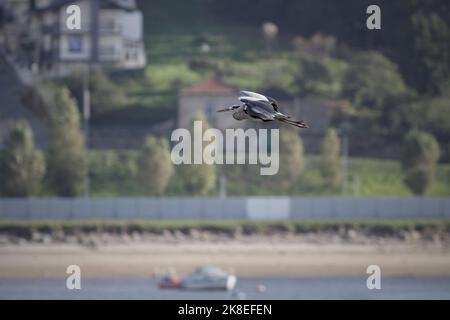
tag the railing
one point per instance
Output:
(109, 28)
(314, 208)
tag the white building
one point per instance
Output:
(110, 35)
(207, 97)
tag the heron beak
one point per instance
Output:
(304, 125)
(223, 110)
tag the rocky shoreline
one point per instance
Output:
(436, 235)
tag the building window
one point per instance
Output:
(75, 43)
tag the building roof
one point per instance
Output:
(213, 85)
(119, 4)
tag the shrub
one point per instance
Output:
(330, 162)
(22, 167)
(420, 153)
(291, 158)
(66, 161)
(198, 179)
(155, 166)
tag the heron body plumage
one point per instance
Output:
(259, 107)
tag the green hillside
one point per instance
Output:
(173, 33)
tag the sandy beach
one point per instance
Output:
(251, 256)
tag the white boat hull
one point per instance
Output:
(223, 283)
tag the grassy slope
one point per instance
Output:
(172, 29)
(384, 177)
(376, 178)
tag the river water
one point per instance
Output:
(275, 288)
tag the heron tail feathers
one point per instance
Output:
(298, 124)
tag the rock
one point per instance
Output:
(136, 236)
(352, 234)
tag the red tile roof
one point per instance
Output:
(211, 86)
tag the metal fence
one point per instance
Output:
(224, 208)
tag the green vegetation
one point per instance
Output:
(409, 26)
(22, 166)
(384, 94)
(154, 166)
(419, 157)
(291, 160)
(388, 91)
(198, 179)
(106, 95)
(372, 79)
(331, 162)
(114, 173)
(66, 155)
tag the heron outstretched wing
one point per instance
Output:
(255, 95)
(259, 109)
(244, 99)
(273, 102)
(259, 97)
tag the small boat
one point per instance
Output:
(209, 278)
(169, 281)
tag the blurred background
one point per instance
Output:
(86, 176)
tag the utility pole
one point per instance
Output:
(344, 163)
(93, 58)
(86, 117)
(223, 186)
(270, 31)
(356, 186)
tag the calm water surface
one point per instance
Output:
(276, 288)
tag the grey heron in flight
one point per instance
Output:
(259, 107)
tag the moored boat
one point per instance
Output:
(169, 281)
(209, 278)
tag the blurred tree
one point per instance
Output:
(291, 158)
(319, 76)
(198, 179)
(22, 167)
(67, 161)
(420, 153)
(406, 26)
(371, 79)
(106, 95)
(330, 162)
(433, 42)
(318, 45)
(318, 71)
(154, 166)
(113, 172)
(425, 114)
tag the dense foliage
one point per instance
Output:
(66, 155)
(154, 166)
(22, 166)
(420, 153)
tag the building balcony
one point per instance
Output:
(108, 54)
(110, 28)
